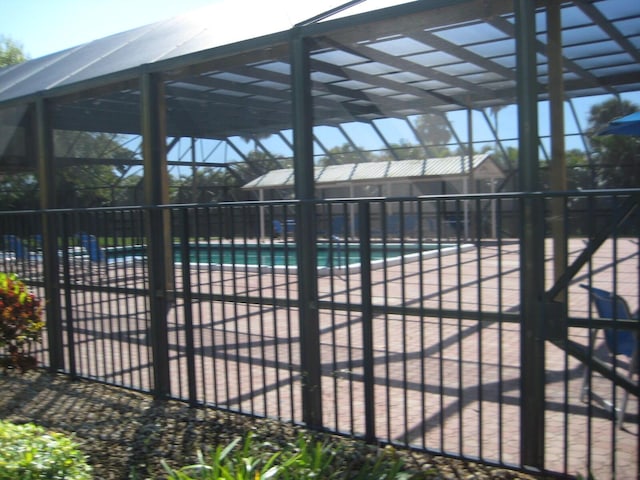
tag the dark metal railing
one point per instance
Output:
(414, 314)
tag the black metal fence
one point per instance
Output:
(411, 331)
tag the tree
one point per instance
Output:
(84, 183)
(80, 183)
(206, 185)
(578, 170)
(615, 156)
(401, 151)
(10, 52)
(17, 191)
(345, 153)
(434, 131)
(602, 113)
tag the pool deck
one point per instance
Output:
(448, 384)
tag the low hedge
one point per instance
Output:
(29, 452)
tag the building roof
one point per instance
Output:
(446, 168)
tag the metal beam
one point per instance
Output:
(158, 232)
(532, 343)
(614, 34)
(46, 180)
(306, 231)
(558, 167)
(541, 48)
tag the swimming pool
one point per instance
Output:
(281, 256)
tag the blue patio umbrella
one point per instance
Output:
(628, 125)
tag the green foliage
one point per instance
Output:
(307, 458)
(82, 180)
(10, 52)
(346, 153)
(206, 185)
(434, 130)
(614, 155)
(30, 452)
(590, 476)
(18, 191)
(85, 183)
(21, 320)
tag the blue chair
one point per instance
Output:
(90, 244)
(13, 244)
(338, 227)
(290, 227)
(617, 341)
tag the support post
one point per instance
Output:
(46, 181)
(558, 173)
(532, 352)
(306, 229)
(158, 227)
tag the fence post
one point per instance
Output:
(364, 234)
(306, 230)
(44, 138)
(185, 261)
(158, 227)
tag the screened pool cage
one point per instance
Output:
(192, 109)
(435, 108)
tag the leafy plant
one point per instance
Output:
(30, 452)
(590, 476)
(21, 320)
(307, 458)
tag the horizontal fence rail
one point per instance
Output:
(417, 301)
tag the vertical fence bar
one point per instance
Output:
(262, 252)
(388, 401)
(420, 234)
(479, 306)
(185, 260)
(364, 233)
(336, 245)
(440, 285)
(68, 301)
(500, 336)
(461, 358)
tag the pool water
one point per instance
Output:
(330, 255)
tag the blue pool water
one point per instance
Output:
(330, 255)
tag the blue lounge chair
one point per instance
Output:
(617, 341)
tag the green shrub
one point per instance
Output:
(20, 313)
(21, 322)
(29, 452)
